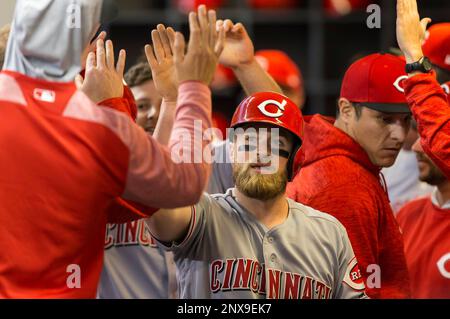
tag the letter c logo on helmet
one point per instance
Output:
(281, 107)
(399, 81)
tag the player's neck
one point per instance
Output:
(271, 212)
(443, 194)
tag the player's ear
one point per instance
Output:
(346, 110)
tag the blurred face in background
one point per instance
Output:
(428, 172)
(148, 102)
(380, 134)
(262, 174)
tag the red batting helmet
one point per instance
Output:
(277, 110)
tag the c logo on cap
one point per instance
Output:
(280, 106)
(441, 265)
(399, 81)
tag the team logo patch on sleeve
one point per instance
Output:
(353, 276)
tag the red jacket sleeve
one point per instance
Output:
(430, 108)
(122, 211)
(119, 104)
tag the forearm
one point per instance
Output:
(430, 108)
(170, 225)
(174, 176)
(254, 79)
(166, 119)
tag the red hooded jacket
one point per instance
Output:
(337, 177)
(430, 108)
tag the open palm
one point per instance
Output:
(161, 61)
(238, 48)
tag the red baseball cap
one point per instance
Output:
(376, 81)
(281, 67)
(437, 45)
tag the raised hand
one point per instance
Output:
(205, 46)
(161, 61)
(238, 49)
(410, 30)
(103, 79)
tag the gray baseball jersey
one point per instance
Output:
(134, 266)
(221, 177)
(228, 253)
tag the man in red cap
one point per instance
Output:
(252, 242)
(425, 224)
(341, 163)
(403, 177)
(426, 98)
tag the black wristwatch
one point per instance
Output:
(423, 65)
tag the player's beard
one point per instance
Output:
(259, 186)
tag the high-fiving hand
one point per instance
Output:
(239, 49)
(103, 79)
(161, 60)
(410, 30)
(205, 46)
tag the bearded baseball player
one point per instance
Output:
(261, 71)
(425, 223)
(253, 242)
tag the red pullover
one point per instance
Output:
(426, 230)
(431, 110)
(65, 162)
(337, 177)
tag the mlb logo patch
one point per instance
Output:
(44, 95)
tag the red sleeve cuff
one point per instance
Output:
(122, 211)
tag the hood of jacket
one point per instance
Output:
(322, 139)
(48, 37)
